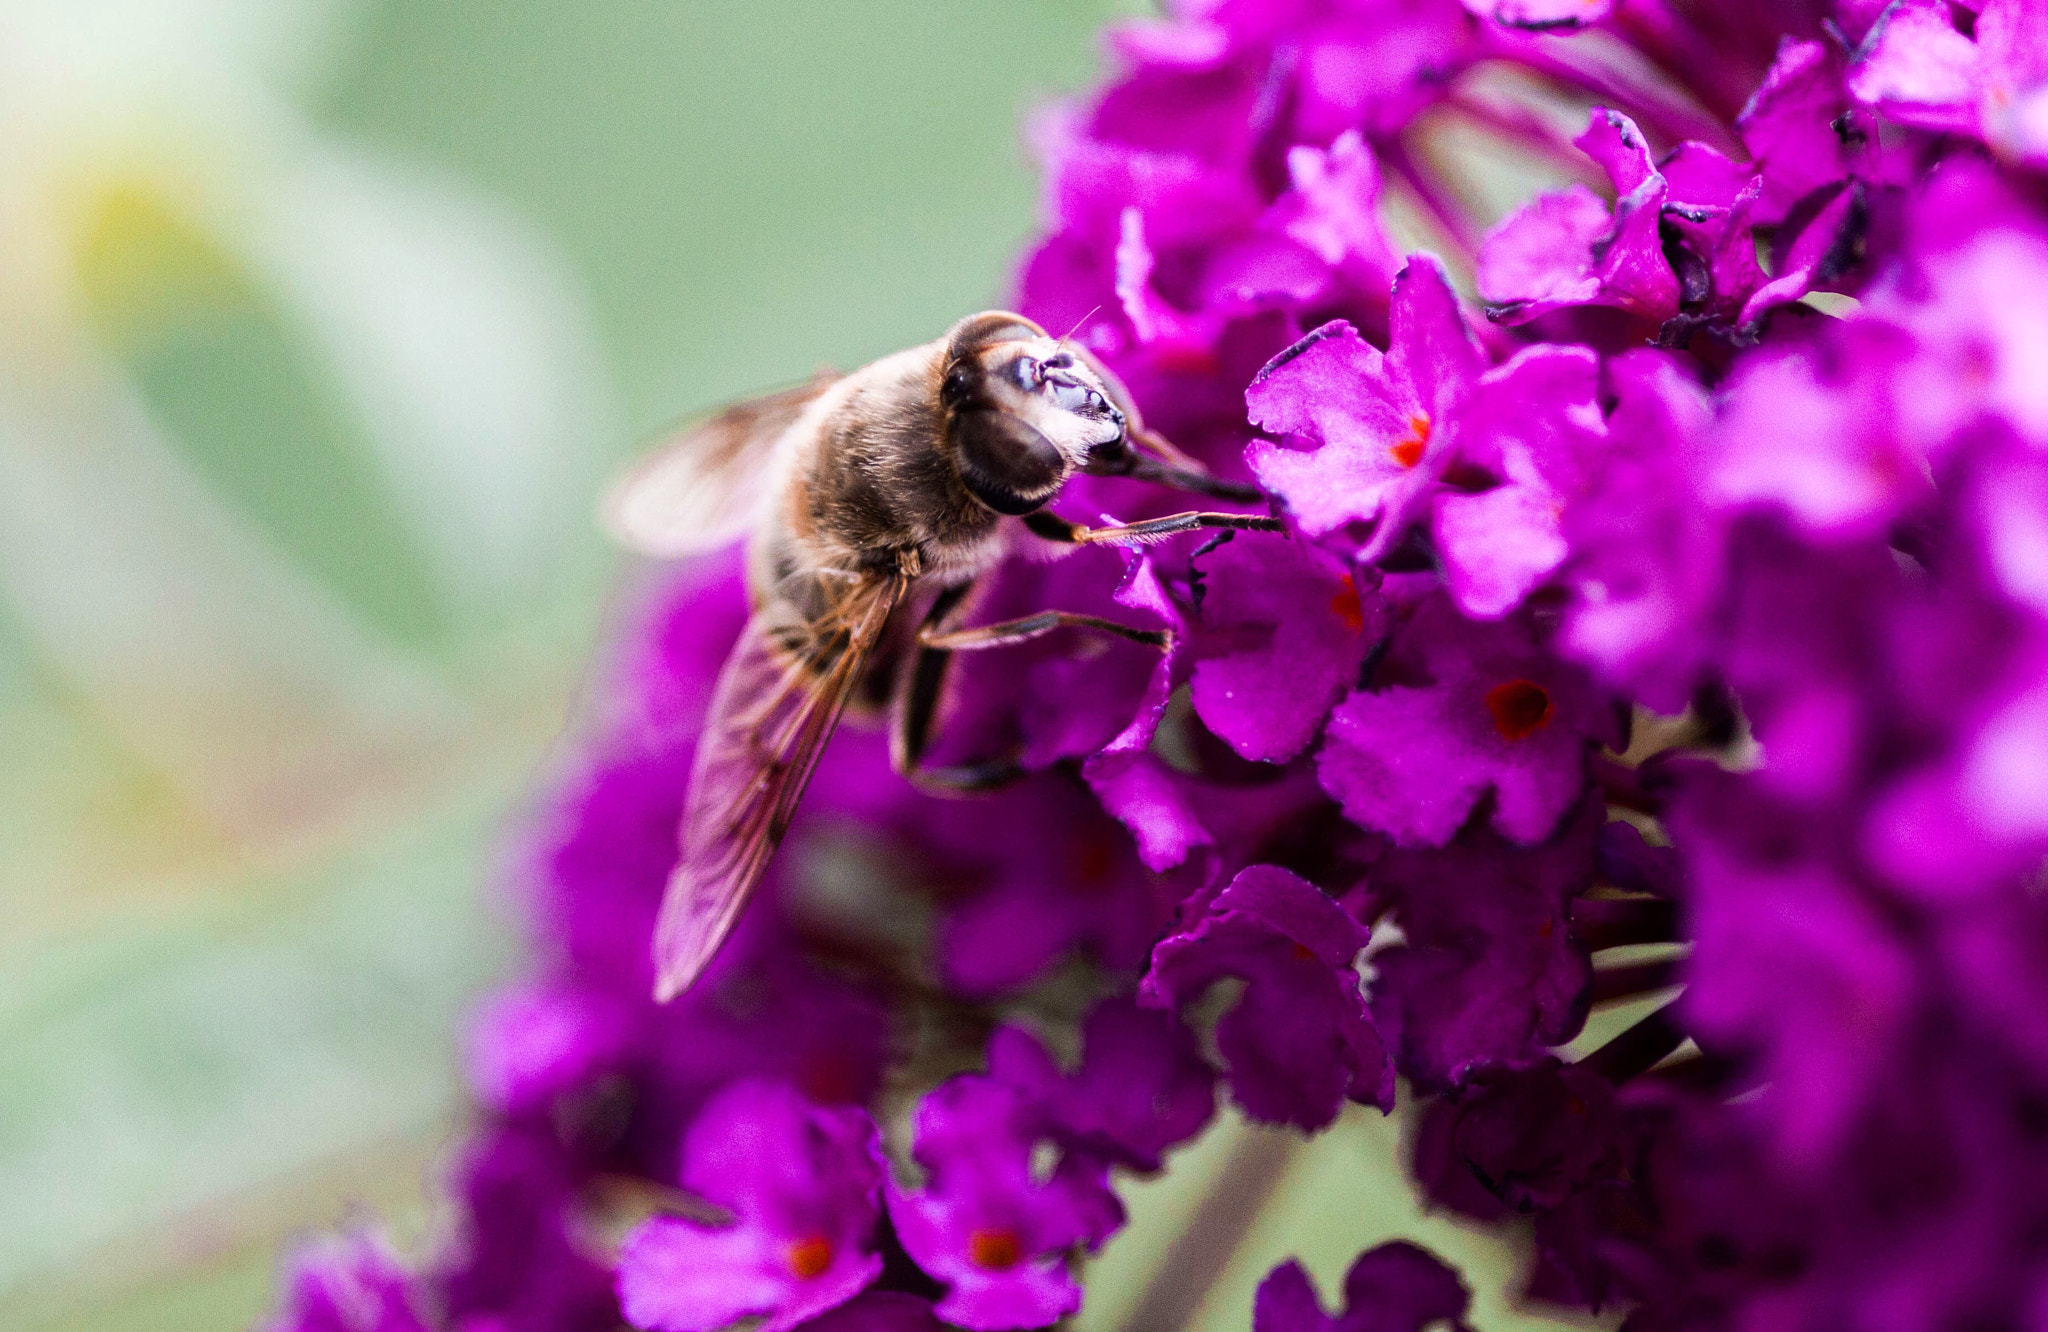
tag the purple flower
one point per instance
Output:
(1533, 1136)
(1794, 965)
(1647, 557)
(534, 1042)
(1798, 127)
(1021, 878)
(1917, 68)
(1489, 967)
(803, 1185)
(991, 1230)
(1396, 1287)
(1534, 425)
(1571, 249)
(1462, 710)
(1284, 630)
(1299, 1041)
(1679, 247)
(347, 1283)
(1541, 15)
(1142, 1085)
(1331, 209)
(878, 1311)
(517, 1262)
(1376, 420)
(1811, 429)
(1792, 556)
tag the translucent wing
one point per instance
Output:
(776, 703)
(702, 488)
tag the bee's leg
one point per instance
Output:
(1028, 627)
(1054, 528)
(918, 692)
(1194, 480)
(924, 682)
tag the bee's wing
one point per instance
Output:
(776, 703)
(701, 488)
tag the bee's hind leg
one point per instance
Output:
(923, 683)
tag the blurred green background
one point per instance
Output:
(322, 323)
(246, 878)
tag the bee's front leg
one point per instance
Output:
(1055, 528)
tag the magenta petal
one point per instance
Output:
(1332, 210)
(675, 1277)
(1788, 127)
(1541, 258)
(1299, 1040)
(1430, 347)
(803, 1185)
(986, 1224)
(1541, 15)
(1916, 68)
(1496, 546)
(347, 1283)
(2013, 38)
(1396, 1287)
(1412, 760)
(1292, 628)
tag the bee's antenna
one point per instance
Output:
(1077, 324)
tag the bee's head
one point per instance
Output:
(1023, 412)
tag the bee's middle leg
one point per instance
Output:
(923, 683)
(918, 691)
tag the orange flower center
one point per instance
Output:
(1408, 450)
(1347, 607)
(1520, 708)
(810, 1256)
(995, 1250)
(1301, 952)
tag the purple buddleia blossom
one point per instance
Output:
(878, 1311)
(1298, 1043)
(518, 1261)
(1377, 421)
(1646, 557)
(994, 1233)
(1794, 964)
(1284, 630)
(347, 1283)
(1488, 967)
(1461, 714)
(535, 1042)
(1572, 249)
(1124, 773)
(802, 1184)
(1533, 426)
(1532, 1136)
(1799, 129)
(1142, 1085)
(1397, 1287)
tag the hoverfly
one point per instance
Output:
(854, 492)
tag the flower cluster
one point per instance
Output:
(1674, 614)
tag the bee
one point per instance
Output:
(855, 493)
